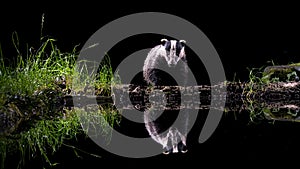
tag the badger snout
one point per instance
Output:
(172, 64)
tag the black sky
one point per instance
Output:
(249, 34)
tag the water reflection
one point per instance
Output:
(272, 101)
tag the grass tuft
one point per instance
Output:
(31, 122)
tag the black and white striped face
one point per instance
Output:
(174, 51)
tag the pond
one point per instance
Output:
(259, 121)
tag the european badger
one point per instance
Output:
(164, 61)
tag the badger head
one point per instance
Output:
(174, 51)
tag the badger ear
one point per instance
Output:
(182, 42)
(163, 41)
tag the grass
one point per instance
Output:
(30, 86)
(101, 79)
(258, 80)
(47, 137)
(37, 70)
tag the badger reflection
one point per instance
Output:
(166, 65)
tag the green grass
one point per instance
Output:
(47, 136)
(256, 83)
(31, 84)
(37, 70)
(101, 79)
(258, 80)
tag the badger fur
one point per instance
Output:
(163, 62)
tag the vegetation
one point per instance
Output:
(33, 119)
(266, 80)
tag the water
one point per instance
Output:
(257, 127)
(234, 142)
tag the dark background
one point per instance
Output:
(245, 36)
(249, 34)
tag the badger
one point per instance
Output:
(165, 57)
(162, 63)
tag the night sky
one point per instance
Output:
(244, 35)
(250, 34)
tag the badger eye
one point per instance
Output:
(179, 46)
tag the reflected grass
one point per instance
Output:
(36, 79)
(46, 137)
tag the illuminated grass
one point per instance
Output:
(36, 70)
(28, 90)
